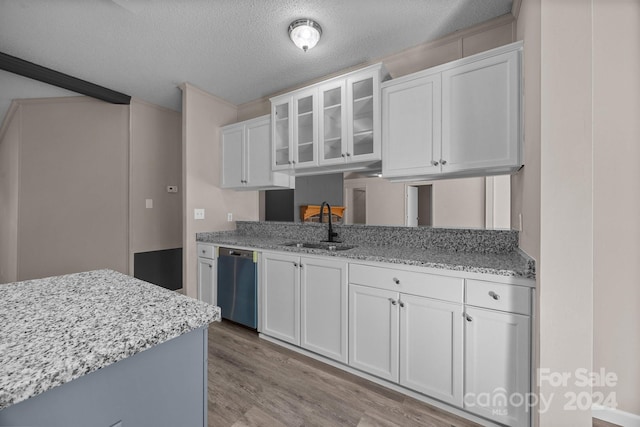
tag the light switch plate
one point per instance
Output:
(198, 214)
(229, 217)
(148, 203)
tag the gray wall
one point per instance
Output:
(314, 190)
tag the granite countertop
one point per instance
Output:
(513, 263)
(57, 329)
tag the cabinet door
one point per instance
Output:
(363, 115)
(323, 310)
(207, 280)
(373, 331)
(281, 134)
(411, 125)
(481, 114)
(497, 356)
(232, 155)
(431, 338)
(258, 153)
(305, 128)
(332, 124)
(281, 297)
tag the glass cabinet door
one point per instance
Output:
(332, 124)
(364, 121)
(305, 129)
(281, 133)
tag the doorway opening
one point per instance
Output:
(419, 205)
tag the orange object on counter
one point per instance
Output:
(311, 213)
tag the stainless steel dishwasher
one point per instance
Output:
(237, 286)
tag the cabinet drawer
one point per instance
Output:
(409, 282)
(205, 251)
(498, 296)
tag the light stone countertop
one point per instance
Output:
(513, 263)
(57, 329)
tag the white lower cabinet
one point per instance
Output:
(305, 303)
(373, 331)
(431, 336)
(410, 340)
(497, 365)
(207, 273)
(281, 297)
(323, 307)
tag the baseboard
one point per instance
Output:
(615, 416)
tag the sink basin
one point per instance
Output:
(328, 246)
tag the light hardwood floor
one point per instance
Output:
(253, 382)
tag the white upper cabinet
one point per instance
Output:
(282, 133)
(458, 119)
(305, 129)
(411, 127)
(481, 114)
(330, 126)
(363, 116)
(245, 157)
(333, 123)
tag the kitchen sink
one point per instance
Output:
(328, 246)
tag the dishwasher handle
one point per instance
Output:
(235, 252)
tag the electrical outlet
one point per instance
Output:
(229, 217)
(172, 188)
(198, 214)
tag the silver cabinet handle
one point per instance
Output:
(444, 162)
(469, 318)
(392, 301)
(396, 280)
(494, 295)
(434, 163)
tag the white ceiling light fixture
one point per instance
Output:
(305, 33)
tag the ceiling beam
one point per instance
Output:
(47, 75)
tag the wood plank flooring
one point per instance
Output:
(253, 382)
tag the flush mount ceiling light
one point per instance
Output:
(305, 33)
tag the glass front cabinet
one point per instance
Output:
(333, 125)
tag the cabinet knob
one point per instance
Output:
(469, 318)
(343, 155)
(210, 266)
(301, 265)
(434, 163)
(401, 303)
(295, 264)
(444, 162)
(348, 154)
(392, 301)
(293, 162)
(396, 280)
(494, 295)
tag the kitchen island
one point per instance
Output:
(101, 348)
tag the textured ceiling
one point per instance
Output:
(236, 49)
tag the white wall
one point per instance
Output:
(9, 159)
(202, 117)
(156, 162)
(616, 196)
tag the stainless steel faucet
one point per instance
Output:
(331, 234)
